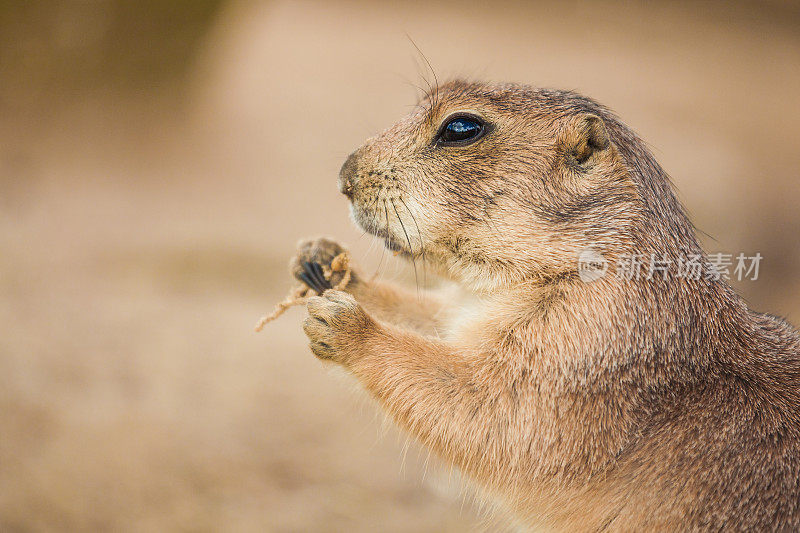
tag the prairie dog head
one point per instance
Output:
(495, 185)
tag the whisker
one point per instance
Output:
(413, 259)
(374, 203)
(419, 68)
(383, 248)
(371, 242)
(433, 91)
(414, 85)
(421, 244)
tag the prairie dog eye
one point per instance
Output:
(460, 130)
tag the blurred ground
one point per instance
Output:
(158, 161)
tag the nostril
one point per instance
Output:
(346, 187)
(347, 176)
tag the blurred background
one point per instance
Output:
(158, 162)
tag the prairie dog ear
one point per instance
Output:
(588, 136)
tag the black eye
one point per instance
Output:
(461, 130)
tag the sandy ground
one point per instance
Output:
(143, 232)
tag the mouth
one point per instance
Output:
(376, 223)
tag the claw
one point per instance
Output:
(314, 271)
(305, 278)
(310, 275)
(321, 275)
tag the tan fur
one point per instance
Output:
(623, 405)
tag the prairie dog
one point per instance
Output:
(623, 404)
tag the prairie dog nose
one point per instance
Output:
(347, 176)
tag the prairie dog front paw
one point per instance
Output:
(337, 326)
(313, 264)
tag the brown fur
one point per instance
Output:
(613, 405)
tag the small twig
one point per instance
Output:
(300, 294)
